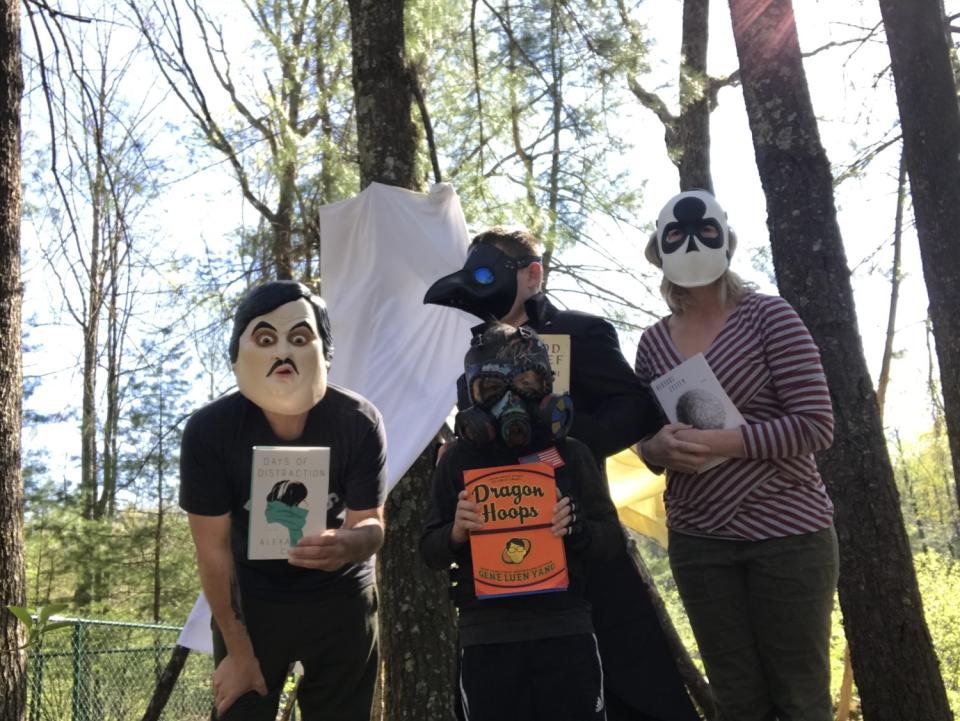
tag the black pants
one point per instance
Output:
(641, 680)
(550, 679)
(334, 639)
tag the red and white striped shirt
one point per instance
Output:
(769, 365)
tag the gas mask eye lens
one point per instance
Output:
(529, 384)
(487, 390)
(483, 275)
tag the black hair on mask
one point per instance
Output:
(287, 492)
(271, 295)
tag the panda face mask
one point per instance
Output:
(693, 239)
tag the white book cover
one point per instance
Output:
(288, 498)
(690, 393)
(558, 346)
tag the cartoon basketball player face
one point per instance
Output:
(516, 550)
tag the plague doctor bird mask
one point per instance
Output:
(486, 286)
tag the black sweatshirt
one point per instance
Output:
(521, 618)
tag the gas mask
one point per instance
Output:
(510, 384)
(693, 239)
(485, 287)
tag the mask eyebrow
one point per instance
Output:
(303, 324)
(262, 324)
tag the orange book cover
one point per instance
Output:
(515, 553)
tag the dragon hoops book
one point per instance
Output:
(515, 553)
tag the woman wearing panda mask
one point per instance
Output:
(752, 543)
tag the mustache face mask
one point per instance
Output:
(693, 239)
(280, 364)
(486, 286)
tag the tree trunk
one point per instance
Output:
(115, 331)
(161, 490)
(93, 274)
(281, 237)
(693, 123)
(885, 363)
(417, 631)
(385, 131)
(88, 418)
(418, 634)
(930, 121)
(166, 683)
(893, 659)
(13, 687)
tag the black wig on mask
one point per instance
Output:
(270, 296)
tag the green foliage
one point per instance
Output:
(924, 477)
(38, 623)
(62, 547)
(138, 562)
(527, 126)
(938, 576)
(924, 474)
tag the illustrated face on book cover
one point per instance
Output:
(280, 364)
(516, 550)
(693, 239)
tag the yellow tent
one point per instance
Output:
(638, 495)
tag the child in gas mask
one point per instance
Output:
(530, 656)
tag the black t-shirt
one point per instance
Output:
(216, 457)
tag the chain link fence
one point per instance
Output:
(107, 671)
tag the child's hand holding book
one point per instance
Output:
(466, 519)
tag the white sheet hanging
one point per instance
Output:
(380, 251)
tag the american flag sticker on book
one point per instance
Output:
(550, 456)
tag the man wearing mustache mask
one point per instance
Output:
(318, 605)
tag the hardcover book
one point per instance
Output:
(288, 498)
(515, 553)
(690, 393)
(558, 346)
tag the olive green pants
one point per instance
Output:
(760, 611)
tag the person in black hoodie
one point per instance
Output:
(501, 280)
(530, 656)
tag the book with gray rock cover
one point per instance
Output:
(690, 393)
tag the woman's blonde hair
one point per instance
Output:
(732, 289)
